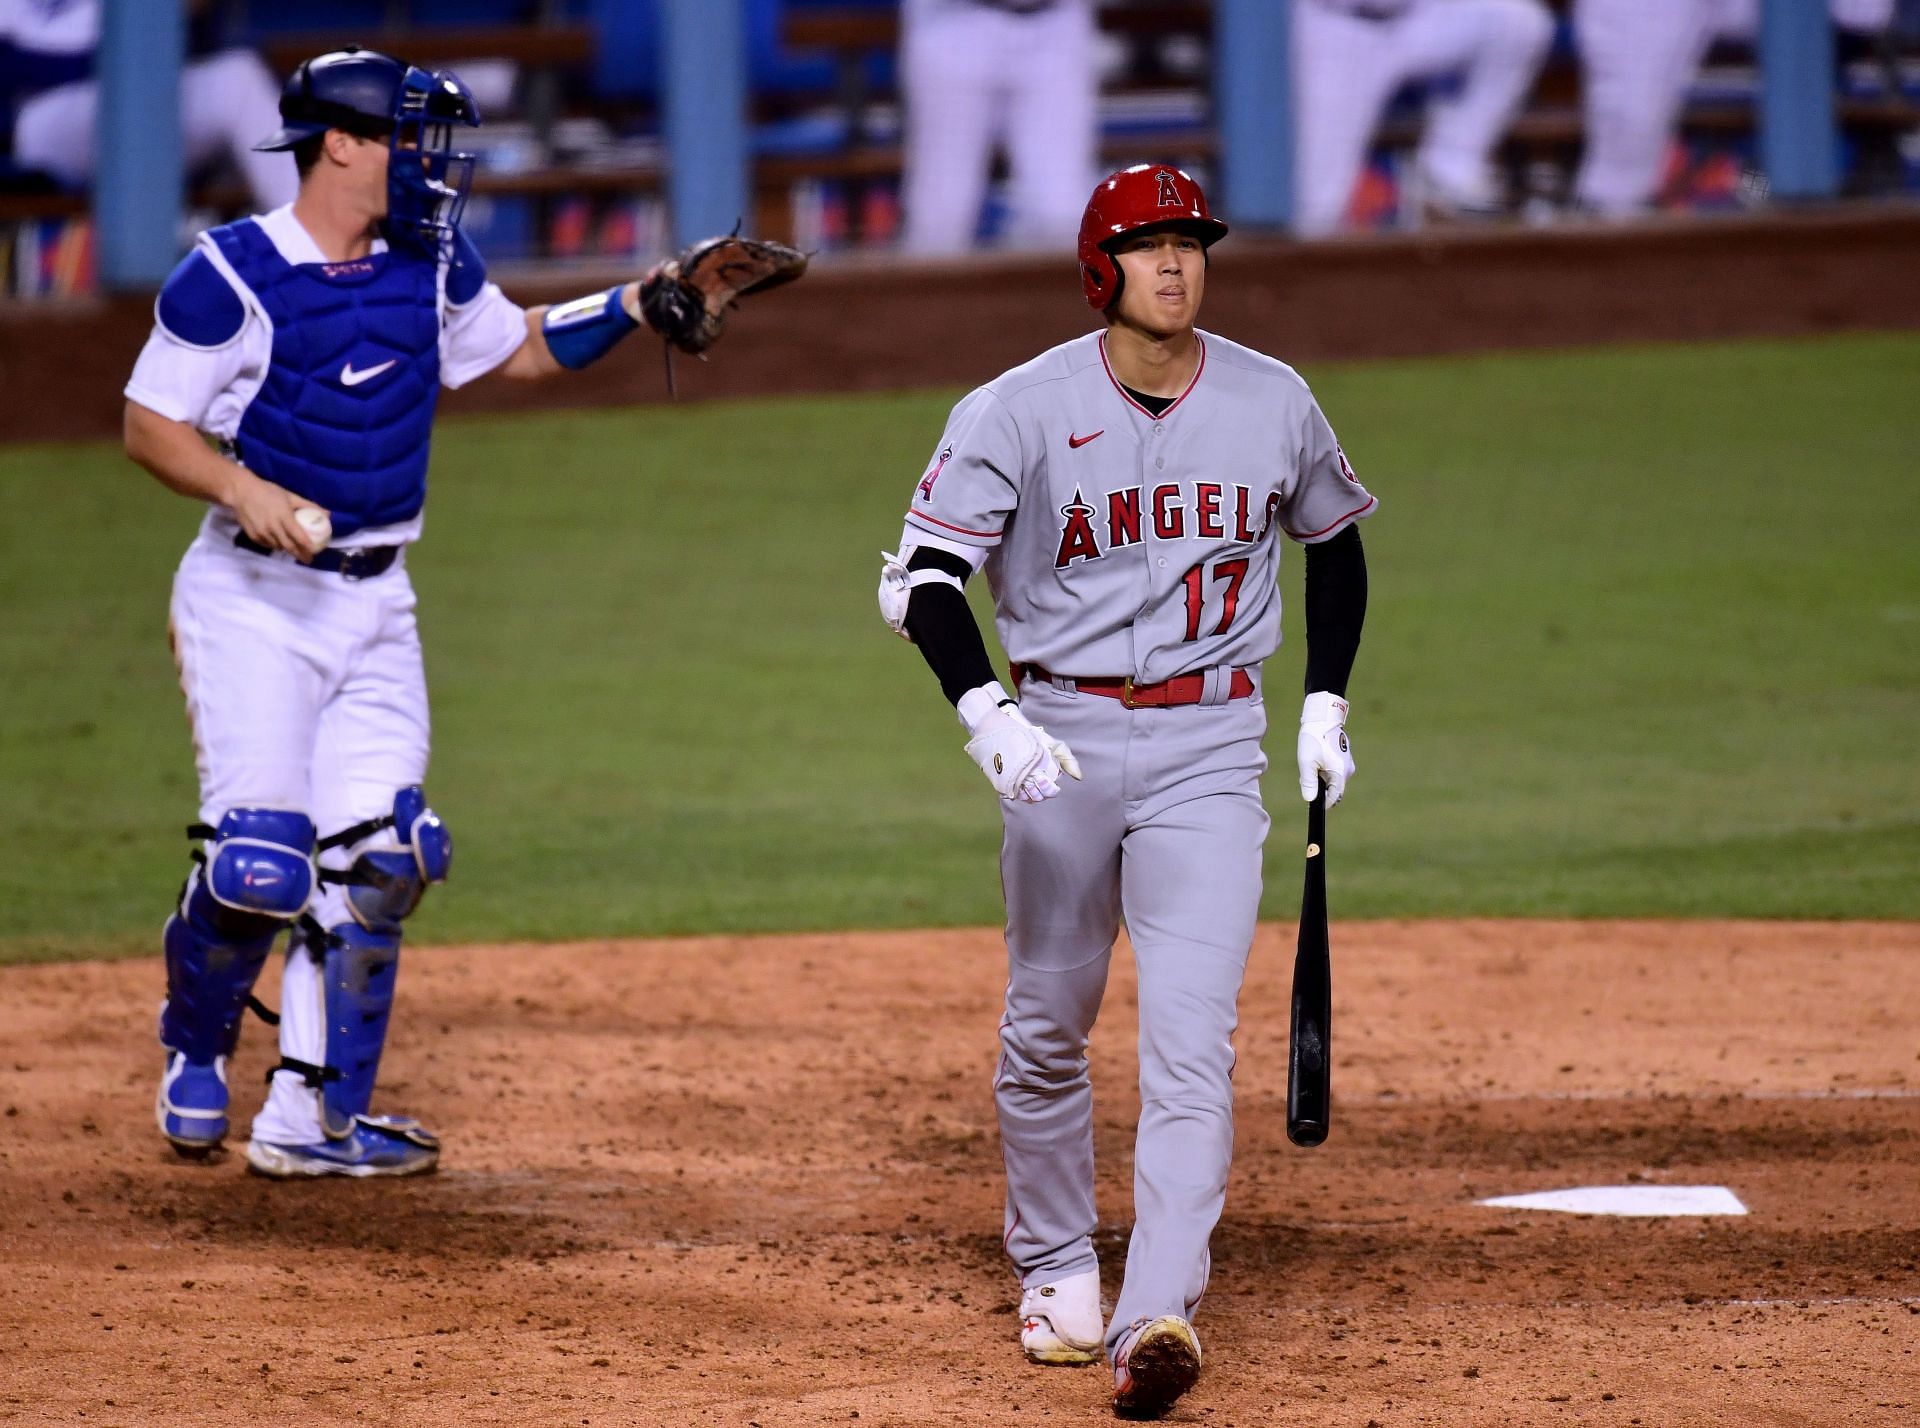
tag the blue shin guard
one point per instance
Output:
(358, 969)
(360, 960)
(256, 876)
(357, 973)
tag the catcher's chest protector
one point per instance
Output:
(345, 411)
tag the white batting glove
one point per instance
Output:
(1322, 751)
(1021, 760)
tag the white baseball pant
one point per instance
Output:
(305, 691)
(228, 103)
(973, 75)
(1638, 57)
(1347, 67)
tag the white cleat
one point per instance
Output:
(1060, 1322)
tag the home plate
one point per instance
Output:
(1628, 1200)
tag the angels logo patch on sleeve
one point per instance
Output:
(926, 481)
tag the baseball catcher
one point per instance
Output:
(310, 343)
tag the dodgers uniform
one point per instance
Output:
(1124, 543)
(228, 99)
(304, 685)
(318, 378)
(1350, 56)
(1638, 58)
(979, 72)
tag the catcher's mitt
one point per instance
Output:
(686, 298)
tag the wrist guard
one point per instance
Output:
(583, 331)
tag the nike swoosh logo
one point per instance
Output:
(1076, 442)
(351, 378)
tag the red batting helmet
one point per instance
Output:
(1127, 201)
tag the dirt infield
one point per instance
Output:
(756, 1182)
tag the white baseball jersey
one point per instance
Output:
(209, 387)
(1118, 542)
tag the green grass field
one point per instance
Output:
(1645, 639)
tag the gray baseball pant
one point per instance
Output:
(1166, 831)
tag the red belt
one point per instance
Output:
(1182, 689)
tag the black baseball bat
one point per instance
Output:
(1310, 1041)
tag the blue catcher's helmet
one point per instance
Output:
(375, 96)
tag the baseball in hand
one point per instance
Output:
(318, 526)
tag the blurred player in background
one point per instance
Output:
(228, 98)
(976, 73)
(310, 345)
(1351, 56)
(1639, 57)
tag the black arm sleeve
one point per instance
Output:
(1336, 609)
(942, 625)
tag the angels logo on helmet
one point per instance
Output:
(1127, 201)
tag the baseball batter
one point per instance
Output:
(1127, 494)
(309, 344)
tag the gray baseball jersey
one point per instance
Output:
(1117, 542)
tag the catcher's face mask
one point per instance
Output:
(427, 180)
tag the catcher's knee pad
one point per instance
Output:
(256, 876)
(358, 969)
(385, 884)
